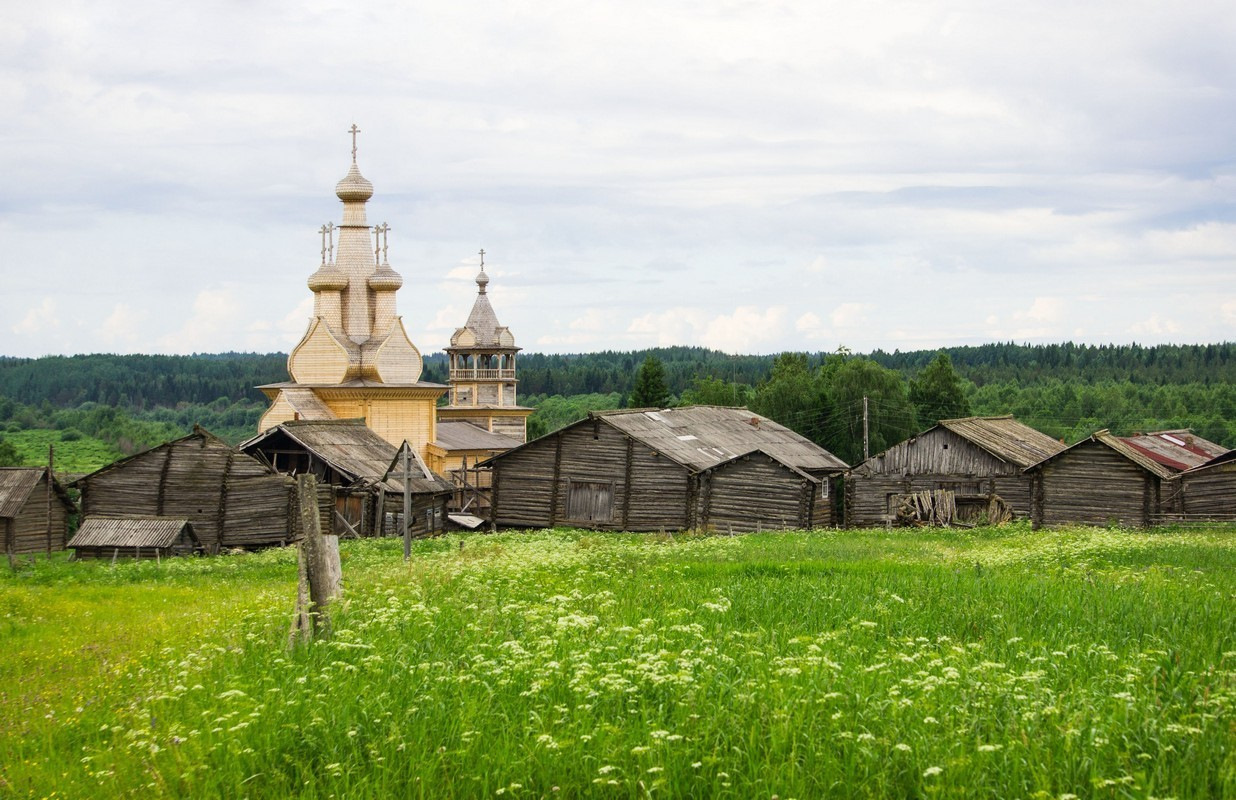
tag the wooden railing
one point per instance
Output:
(482, 374)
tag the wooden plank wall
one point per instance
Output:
(754, 493)
(1091, 484)
(230, 499)
(29, 527)
(651, 492)
(1209, 493)
(939, 452)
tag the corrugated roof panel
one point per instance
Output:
(129, 532)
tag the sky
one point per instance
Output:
(753, 177)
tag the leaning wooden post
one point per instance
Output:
(318, 560)
(407, 501)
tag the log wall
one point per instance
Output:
(754, 493)
(938, 459)
(26, 532)
(1091, 484)
(231, 499)
(1209, 493)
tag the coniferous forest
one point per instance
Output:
(106, 406)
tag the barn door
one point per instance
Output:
(590, 501)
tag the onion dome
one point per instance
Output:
(482, 280)
(328, 278)
(354, 188)
(385, 279)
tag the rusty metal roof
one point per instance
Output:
(699, 437)
(134, 531)
(1005, 438)
(1177, 449)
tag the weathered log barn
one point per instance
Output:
(34, 510)
(975, 458)
(1208, 491)
(134, 537)
(231, 499)
(364, 470)
(699, 467)
(1107, 479)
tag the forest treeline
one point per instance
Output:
(1067, 390)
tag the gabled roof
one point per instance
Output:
(134, 531)
(699, 437)
(350, 448)
(790, 467)
(1176, 449)
(459, 435)
(1122, 447)
(198, 433)
(1005, 438)
(1225, 458)
(16, 485)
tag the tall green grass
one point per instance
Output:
(998, 662)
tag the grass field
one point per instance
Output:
(988, 663)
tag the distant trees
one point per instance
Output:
(650, 389)
(939, 393)
(8, 454)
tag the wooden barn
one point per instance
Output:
(700, 467)
(231, 499)
(365, 471)
(1207, 491)
(34, 511)
(974, 458)
(135, 537)
(1107, 479)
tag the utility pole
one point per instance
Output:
(866, 451)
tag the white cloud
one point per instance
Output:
(850, 315)
(1156, 325)
(40, 319)
(121, 329)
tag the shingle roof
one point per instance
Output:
(699, 437)
(1005, 438)
(353, 450)
(1122, 447)
(307, 404)
(16, 484)
(466, 436)
(130, 532)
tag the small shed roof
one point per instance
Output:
(353, 450)
(1177, 450)
(1005, 438)
(466, 436)
(307, 404)
(722, 464)
(1122, 447)
(16, 485)
(130, 532)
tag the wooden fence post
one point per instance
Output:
(321, 575)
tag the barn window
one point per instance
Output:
(590, 501)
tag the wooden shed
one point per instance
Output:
(1206, 492)
(1101, 480)
(454, 454)
(34, 511)
(231, 499)
(364, 470)
(975, 458)
(699, 467)
(135, 537)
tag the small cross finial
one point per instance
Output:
(354, 130)
(482, 259)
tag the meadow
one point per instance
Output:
(997, 662)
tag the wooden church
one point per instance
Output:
(356, 360)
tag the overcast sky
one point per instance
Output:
(750, 176)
